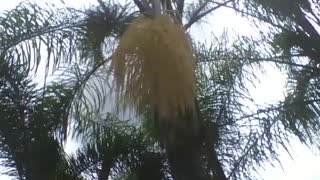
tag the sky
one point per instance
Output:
(305, 164)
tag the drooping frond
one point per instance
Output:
(32, 120)
(107, 20)
(30, 34)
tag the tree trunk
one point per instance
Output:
(180, 138)
(185, 163)
(104, 173)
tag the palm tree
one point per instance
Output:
(78, 46)
(33, 127)
(30, 119)
(33, 120)
(295, 44)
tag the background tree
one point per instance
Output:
(294, 40)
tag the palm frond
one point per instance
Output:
(30, 32)
(243, 134)
(101, 24)
(114, 150)
(31, 118)
(198, 10)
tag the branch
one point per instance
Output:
(180, 7)
(255, 17)
(144, 7)
(197, 15)
(284, 62)
(270, 59)
(139, 4)
(249, 149)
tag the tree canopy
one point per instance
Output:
(74, 47)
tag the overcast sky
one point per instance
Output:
(305, 164)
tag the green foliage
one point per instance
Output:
(297, 39)
(105, 21)
(237, 136)
(244, 135)
(29, 33)
(119, 150)
(30, 119)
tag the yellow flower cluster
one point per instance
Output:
(154, 67)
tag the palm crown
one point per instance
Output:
(78, 47)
